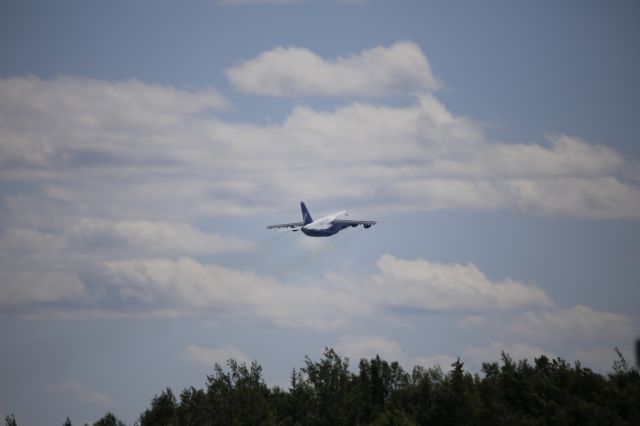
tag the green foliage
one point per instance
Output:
(192, 410)
(163, 411)
(239, 396)
(327, 392)
(109, 420)
(329, 382)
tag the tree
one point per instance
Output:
(302, 401)
(238, 396)
(456, 398)
(330, 382)
(10, 420)
(109, 420)
(192, 410)
(393, 418)
(625, 386)
(325, 392)
(163, 411)
(376, 384)
(67, 422)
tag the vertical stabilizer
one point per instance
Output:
(306, 217)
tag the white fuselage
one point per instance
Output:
(325, 226)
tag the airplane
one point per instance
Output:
(325, 226)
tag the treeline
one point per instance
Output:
(326, 392)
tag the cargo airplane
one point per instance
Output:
(325, 226)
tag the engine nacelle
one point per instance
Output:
(366, 226)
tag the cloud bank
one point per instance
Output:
(442, 287)
(104, 183)
(190, 285)
(130, 151)
(401, 68)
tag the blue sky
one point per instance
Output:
(145, 146)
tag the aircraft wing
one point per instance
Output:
(366, 223)
(286, 225)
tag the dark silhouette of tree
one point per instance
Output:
(376, 387)
(67, 422)
(329, 381)
(10, 420)
(301, 402)
(625, 401)
(326, 392)
(109, 420)
(239, 396)
(192, 410)
(163, 411)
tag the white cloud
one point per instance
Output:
(72, 116)
(210, 356)
(135, 152)
(318, 304)
(44, 267)
(152, 237)
(81, 392)
(186, 281)
(398, 69)
(96, 171)
(187, 287)
(196, 288)
(564, 156)
(423, 157)
(449, 287)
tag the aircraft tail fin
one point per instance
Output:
(306, 217)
